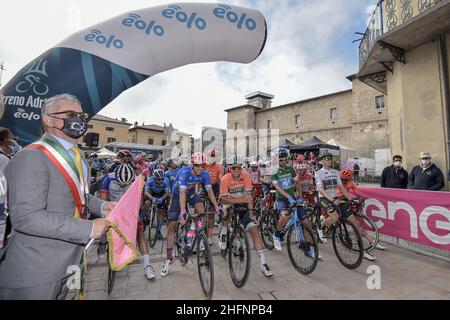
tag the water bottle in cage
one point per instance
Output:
(190, 234)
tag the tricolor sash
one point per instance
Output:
(62, 160)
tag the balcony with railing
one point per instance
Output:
(397, 26)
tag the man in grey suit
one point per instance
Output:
(47, 237)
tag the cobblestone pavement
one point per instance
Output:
(404, 275)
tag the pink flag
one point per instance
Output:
(122, 234)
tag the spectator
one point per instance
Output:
(394, 176)
(426, 176)
(356, 171)
(7, 143)
(49, 229)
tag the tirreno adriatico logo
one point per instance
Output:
(33, 79)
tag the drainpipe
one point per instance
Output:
(443, 62)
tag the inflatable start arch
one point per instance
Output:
(99, 63)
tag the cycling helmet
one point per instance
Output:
(253, 164)
(281, 153)
(235, 160)
(302, 167)
(300, 158)
(124, 174)
(325, 154)
(137, 159)
(212, 152)
(184, 161)
(346, 174)
(158, 174)
(124, 153)
(153, 166)
(198, 158)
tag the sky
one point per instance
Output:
(308, 53)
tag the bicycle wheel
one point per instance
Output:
(267, 228)
(371, 228)
(347, 244)
(180, 244)
(152, 228)
(205, 265)
(302, 248)
(239, 257)
(110, 280)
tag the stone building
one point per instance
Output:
(405, 55)
(356, 118)
(108, 129)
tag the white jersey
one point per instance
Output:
(329, 179)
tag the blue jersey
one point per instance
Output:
(112, 188)
(171, 175)
(187, 180)
(157, 188)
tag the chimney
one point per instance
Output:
(259, 99)
(123, 120)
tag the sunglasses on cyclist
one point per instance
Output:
(198, 165)
(282, 160)
(72, 114)
(236, 168)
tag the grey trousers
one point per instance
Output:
(48, 291)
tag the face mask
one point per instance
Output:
(15, 147)
(74, 127)
(398, 164)
(425, 162)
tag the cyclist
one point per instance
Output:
(352, 188)
(306, 181)
(215, 173)
(236, 189)
(139, 164)
(171, 173)
(286, 184)
(184, 191)
(113, 188)
(157, 190)
(328, 181)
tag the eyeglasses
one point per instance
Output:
(282, 160)
(72, 114)
(236, 168)
(426, 158)
(198, 165)
(327, 158)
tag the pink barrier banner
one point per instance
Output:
(412, 215)
(124, 220)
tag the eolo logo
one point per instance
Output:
(224, 11)
(107, 41)
(148, 27)
(190, 20)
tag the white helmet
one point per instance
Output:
(124, 174)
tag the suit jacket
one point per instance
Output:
(46, 238)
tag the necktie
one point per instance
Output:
(79, 165)
(78, 162)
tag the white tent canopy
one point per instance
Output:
(105, 153)
(335, 143)
(345, 152)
